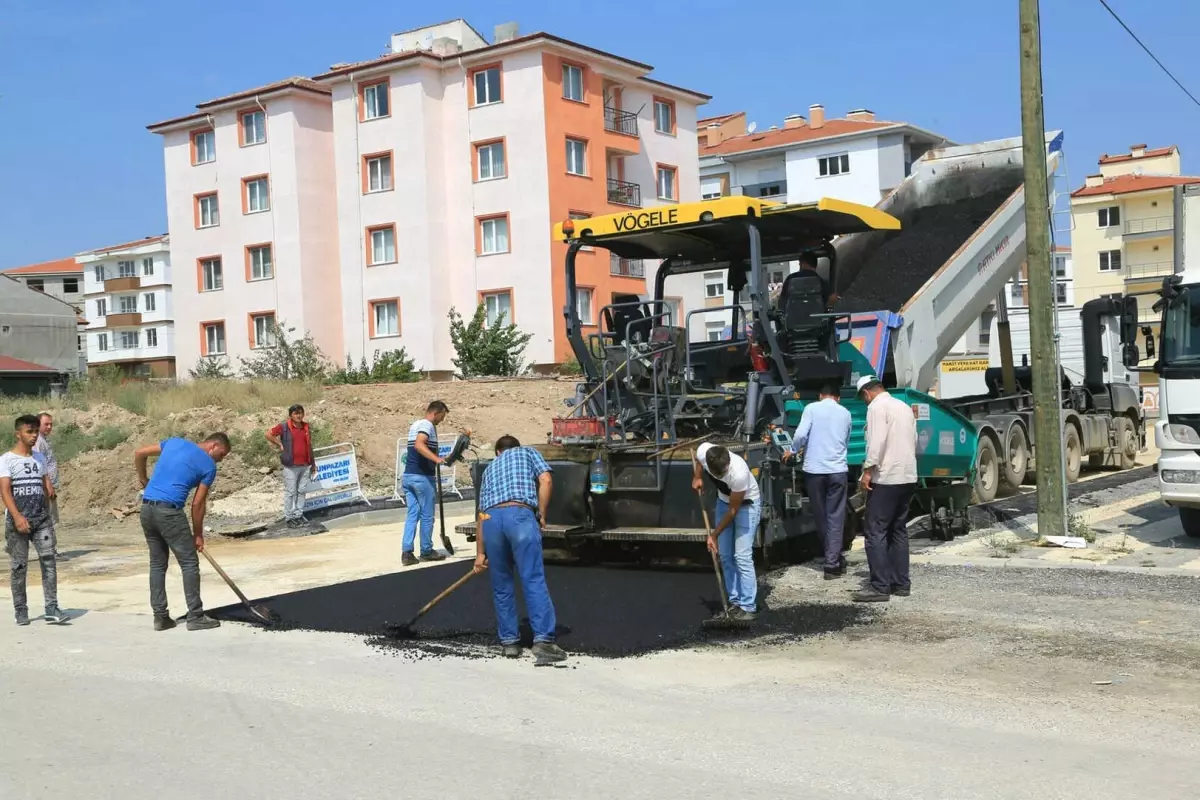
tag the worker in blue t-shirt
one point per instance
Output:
(420, 490)
(181, 467)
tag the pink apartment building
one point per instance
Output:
(419, 181)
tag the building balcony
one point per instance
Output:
(627, 267)
(122, 284)
(624, 193)
(1154, 269)
(123, 320)
(774, 191)
(619, 121)
(1148, 227)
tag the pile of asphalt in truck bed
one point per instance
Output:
(600, 611)
(909, 257)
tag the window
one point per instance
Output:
(79, 343)
(207, 213)
(375, 100)
(776, 277)
(261, 267)
(714, 285)
(386, 318)
(578, 215)
(148, 301)
(102, 342)
(127, 340)
(490, 164)
(254, 127)
(1060, 266)
(583, 305)
(834, 165)
(263, 331)
(383, 246)
(1109, 217)
(147, 266)
(1060, 293)
(985, 328)
(212, 278)
(1018, 295)
(379, 173)
(572, 79)
(714, 331)
(204, 147)
(127, 304)
(671, 309)
(152, 337)
(497, 305)
(493, 235)
(666, 183)
(125, 269)
(257, 195)
(98, 271)
(70, 286)
(714, 187)
(1110, 260)
(487, 86)
(37, 284)
(664, 116)
(101, 308)
(214, 339)
(576, 157)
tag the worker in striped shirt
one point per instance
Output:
(420, 490)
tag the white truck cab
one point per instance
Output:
(1177, 432)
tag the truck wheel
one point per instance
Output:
(1072, 453)
(1190, 518)
(1016, 458)
(987, 471)
(1127, 441)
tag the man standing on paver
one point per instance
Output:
(824, 435)
(181, 467)
(420, 489)
(45, 428)
(293, 438)
(738, 514)
(26, 492)
(515, 494)
(889, 476)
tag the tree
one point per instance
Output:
(211, 368)
(393, 366)
(287, 359)
(483, 349)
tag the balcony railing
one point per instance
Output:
(775, 191)
(1155, 269)
(627, 267)
(623, 193)
(1149, 225)
(620, 121)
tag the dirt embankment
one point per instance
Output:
(371, 417)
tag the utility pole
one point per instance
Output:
(1047, 403)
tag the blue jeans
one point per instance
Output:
(420, 495)
(736, 547)
(512, 539)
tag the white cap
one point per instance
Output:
(864, 381)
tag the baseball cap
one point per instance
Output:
(864, 382)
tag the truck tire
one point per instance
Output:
(1190, 519)
(1127, 441)
(1016, 458)
(1072, 453)
(987, 471)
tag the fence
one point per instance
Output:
(449, 476)
(337, 479)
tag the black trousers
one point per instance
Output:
(827, 494)
(887, 535)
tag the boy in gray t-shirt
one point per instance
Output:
(26, 492)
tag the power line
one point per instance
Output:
(1161, 66)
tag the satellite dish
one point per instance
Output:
(752, 127)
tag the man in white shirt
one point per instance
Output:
(889, 476)
(739, 509)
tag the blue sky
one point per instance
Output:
(80, 80)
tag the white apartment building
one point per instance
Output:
(130, 307)
(424, 180)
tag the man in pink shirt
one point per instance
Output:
(889, 476)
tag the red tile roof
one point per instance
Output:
(127, 245)
(700, 123)
(304, 84)
(57, 267)
(1124, 184)
(762, 140)
(10, 364)
(1161, 151)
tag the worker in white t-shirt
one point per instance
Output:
(739, 509)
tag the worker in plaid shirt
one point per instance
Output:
(513, 498)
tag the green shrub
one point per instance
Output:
(392, 366)
(487, 350)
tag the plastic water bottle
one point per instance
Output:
(599, 475)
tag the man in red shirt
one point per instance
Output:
(294, 441)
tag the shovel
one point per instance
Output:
(405, 631)
(442, 513)
(261, 613)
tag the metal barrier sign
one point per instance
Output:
(337, 478)
(449, 475)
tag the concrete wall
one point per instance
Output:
(37, 328)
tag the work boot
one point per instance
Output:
(901, 591)
(548, 653)
(163, 623)
(739, 614)
(834, 574)
(433, 555)
(22, 616)
(202, 623)
(511, 650)
(870, 596)
(407, 559)
(55, 615)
